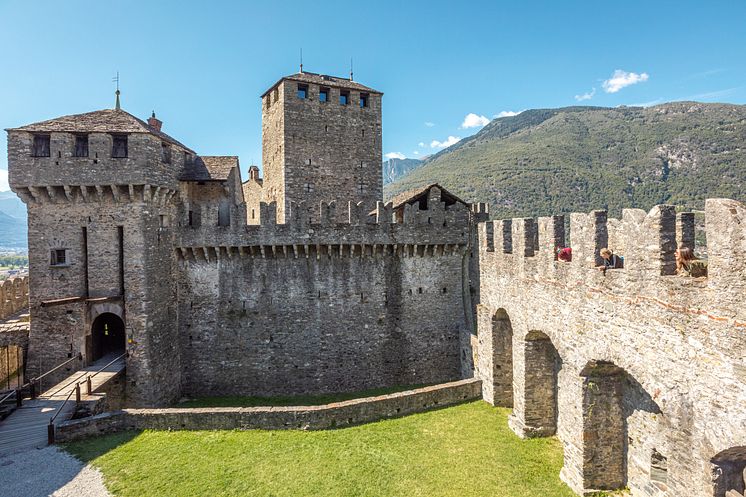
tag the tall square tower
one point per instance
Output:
(321, 141)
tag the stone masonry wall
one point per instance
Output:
(337, 415)
(291, 309)
(13, 296)
(85, 205)
(649, 379)
(321, 151)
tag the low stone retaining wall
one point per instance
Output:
(336, 415)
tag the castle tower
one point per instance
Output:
(321, 141)
(99, 189)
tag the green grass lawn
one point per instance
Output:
(466, 450)
(295, 400)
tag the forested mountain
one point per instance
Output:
(552, 161)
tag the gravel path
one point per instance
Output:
(49, 471)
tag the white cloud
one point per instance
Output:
(4, 186)
(585, 96)
(474, 121)
(395, 155)
(621, 79)
(421, 144)
(506, 113)
(451, 140)
(429, 124)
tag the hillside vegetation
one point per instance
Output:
(574, 159)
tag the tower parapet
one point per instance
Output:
(321, 141)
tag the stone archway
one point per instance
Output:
(107, 336)
(611, 397)
(538, 364)
(604, 427)
(495, 361)
(729, 473)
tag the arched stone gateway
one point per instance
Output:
(729, 473)
(536, 369)
(107, 336)
(496, 363)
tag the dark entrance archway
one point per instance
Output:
(107, 336)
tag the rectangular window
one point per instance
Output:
(302, 91)
(58, 257)
(363, 100)
(41, 146)
(81, 146)
(324, 95)
(166, 153)
(119, 146)
(344, 97)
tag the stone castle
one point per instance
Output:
(306, 282)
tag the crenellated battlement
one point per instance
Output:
(647, 241)
(13, 296)
(628, 367)
(437, 230)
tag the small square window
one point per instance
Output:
(119, 146)
(81, 146)
(302, 91)
(166, 153)
(324, 95)
(308, 187)
(58, 257)
(344, 97)
(363, 100)
(41, 146)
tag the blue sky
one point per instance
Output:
(202, 65)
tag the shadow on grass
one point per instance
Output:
(92, 448)
(297, 400)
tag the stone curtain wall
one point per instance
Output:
(646, 367)
(337, 415)
(13, 296)
(312, 308)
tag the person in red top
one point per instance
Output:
(564, 254)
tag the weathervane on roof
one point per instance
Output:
(116, 80)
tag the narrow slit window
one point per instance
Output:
(166, 153)
(81, 146)
(41, 146)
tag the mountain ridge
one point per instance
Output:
(555, 161)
